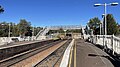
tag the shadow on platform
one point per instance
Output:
(115, 62)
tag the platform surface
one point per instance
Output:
(88, 55)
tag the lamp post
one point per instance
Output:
(9, 34)
(100, 28)
(103, 15)
(33, 32)
(100, 25)
(105, 10)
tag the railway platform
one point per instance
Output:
(88, 55)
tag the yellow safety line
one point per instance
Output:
(75, 55)
(70, 57)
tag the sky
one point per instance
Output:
(56, 12)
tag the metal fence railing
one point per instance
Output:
(107, 41)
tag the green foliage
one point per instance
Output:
(4, 29)
(74, 31)
(52, 32)
(36, 30)
(1, 9)
(21, 28)
(94, 24)
(112, 26)
(24, 26)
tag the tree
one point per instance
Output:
(15, 29)
(4, 27)
(94, 24)
(37, 30)
(1, 9)
(112, 27)
(24, 26)
(28, 33)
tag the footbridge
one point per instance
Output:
(42, 33)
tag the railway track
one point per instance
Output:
(54, 59)
(22, 56)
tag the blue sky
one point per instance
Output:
(55, 12)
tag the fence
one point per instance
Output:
(110, 42)
(6, 40)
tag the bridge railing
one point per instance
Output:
(110, 42)
(46, 30)
(39, 33)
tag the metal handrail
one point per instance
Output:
(111, 42)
